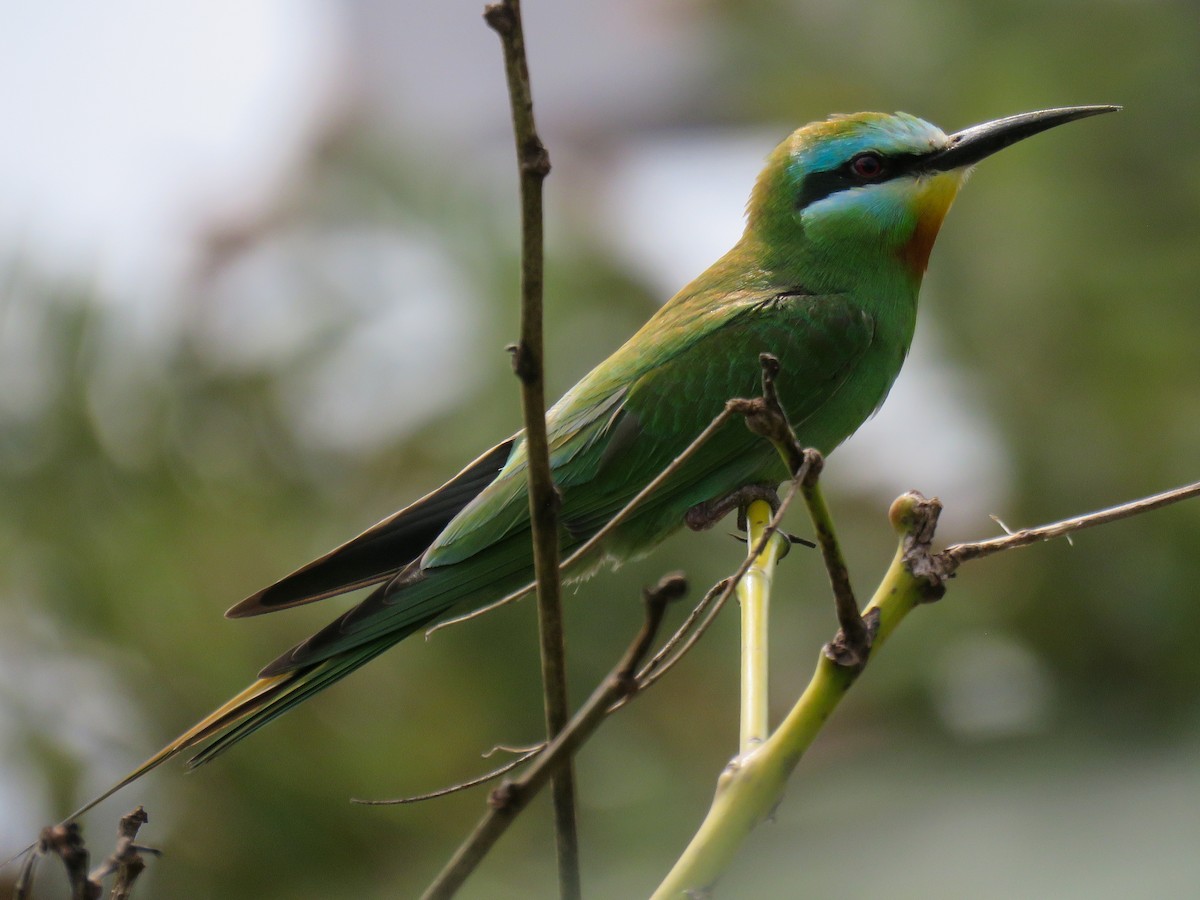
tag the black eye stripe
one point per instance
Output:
(819, 185)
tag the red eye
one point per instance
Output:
(867, 166)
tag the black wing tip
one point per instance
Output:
(277, 666)
(251, 606)
(284, 663)
(357, 563)
(270, 599)
(283, 594)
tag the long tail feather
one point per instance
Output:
(255, 697)
(314, 678)
(263, 701)
(260, 693)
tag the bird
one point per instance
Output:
(839, 228)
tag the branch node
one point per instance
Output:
(535, 159)
(524, 363)
(504, 797)
(852, 653)
(765, 416)
(66, 842)
(816, 465)
(916, 518)
(670, 588)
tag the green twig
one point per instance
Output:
(754, 593)
(752, 784)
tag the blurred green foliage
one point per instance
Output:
(145, 492)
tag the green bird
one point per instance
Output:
(839, 228)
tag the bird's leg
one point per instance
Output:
(705, 515)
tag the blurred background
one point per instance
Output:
(257, 268)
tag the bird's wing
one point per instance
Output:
(577, 424)
(623, 424)
(615, 443)
(383, 549)
(819, 341)
(609, 439)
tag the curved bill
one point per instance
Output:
(970, 145)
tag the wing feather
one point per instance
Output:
(383, 549)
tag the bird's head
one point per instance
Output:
(857, 192)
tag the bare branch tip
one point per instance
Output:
(914, 514)
(770, 365)
(500, 18)
(670, 589)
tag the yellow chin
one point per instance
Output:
(932, 201)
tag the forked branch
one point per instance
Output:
(752, 785)
(66, 842)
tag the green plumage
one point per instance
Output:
(825, 277)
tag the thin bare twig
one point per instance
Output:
(648, 675)
(533, 163)
(665, 658)
(853, 641)
(66, 842)
(956, 554)
(126, 860)
(460, 786)
(510, 798)
(656, 661)
(748, 408)
(766, 416)
(655, 668)
(591, 543)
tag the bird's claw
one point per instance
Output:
(705, 515)
(791, 539)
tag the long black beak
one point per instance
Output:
(970, 145)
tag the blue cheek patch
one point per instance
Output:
(823, 149)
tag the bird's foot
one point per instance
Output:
(791, 539)
(705, 515)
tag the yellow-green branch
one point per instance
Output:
(754, 594)
(753, 783)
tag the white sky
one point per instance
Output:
(129, 122)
